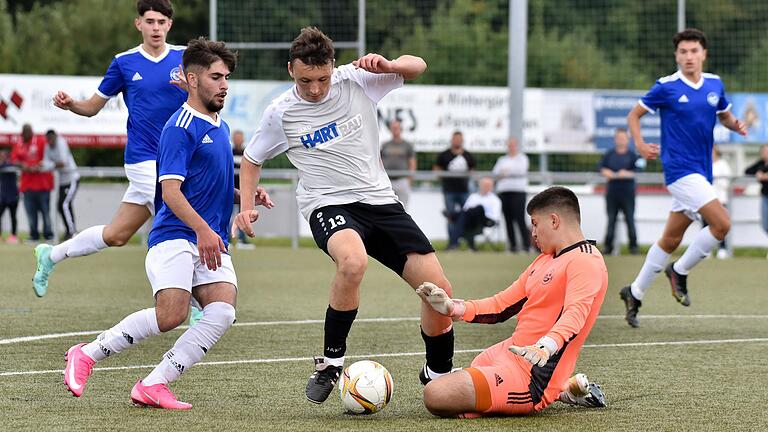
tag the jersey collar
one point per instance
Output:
(690, 83)
(202, 116)
(574, 246)
(157, 59)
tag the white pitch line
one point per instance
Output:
(403, 354)
(21, 339)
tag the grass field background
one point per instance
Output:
(682, 370)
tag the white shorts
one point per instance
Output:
(142, 181)
(691, 193)
(176, 264)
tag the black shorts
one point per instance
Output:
(388, 232)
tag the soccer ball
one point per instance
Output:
(366, 387)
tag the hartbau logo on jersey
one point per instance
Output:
(330, 134)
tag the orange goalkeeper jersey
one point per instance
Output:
(557, 296)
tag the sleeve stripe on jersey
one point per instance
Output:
(251, 160)
(726, 109)
(102, 95)
(646, 107)
(171, 177)
(502, 316)
(185, 118)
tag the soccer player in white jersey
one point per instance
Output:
(689, 102)
(328, 127)
(153, 89)
(187, 258)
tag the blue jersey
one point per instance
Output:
(150, 97)
(197, 151)
(688, 115)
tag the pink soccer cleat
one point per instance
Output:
(156, 396)
(79, 368)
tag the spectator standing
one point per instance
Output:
(60, 158)
(399, 155)
(511, 171)
(455, 189)
(721, 180)
(238, 146)
(618, 167)
(36, 183)
(9, 194)
(759, 169)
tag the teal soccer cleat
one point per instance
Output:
(195, 315)
(44, 269)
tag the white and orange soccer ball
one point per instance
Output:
(366, 387)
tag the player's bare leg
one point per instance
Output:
(128, 219)
(348, 252)
(126, 222)
(437, 330)
(450, 395)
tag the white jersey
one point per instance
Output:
(334, 143)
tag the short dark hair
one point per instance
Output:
(203, 52)
(50, 132)
(690, 34)
(558, 199)
(162, 6)
(312, 47)
(620, 129)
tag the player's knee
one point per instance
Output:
(434, 401)
(353, 267)
(721, 229)
(115, 239)
(221, 315)
(169, 320)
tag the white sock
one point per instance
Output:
(334, 361)
(433, 375)
(86, 242)
(701, 246)
(131, 330)
(653, 265)
(192, 345)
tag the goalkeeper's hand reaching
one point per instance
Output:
(438, 299)
(537, 354)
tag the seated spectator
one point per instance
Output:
(481, 209)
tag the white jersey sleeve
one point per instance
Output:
(375, 86)
(269, 140)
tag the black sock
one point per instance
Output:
(337, 325)
(439, 351)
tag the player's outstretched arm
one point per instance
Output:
(86, 107)
(209, 244)
(648, 151)
(410, 67)
(250, 174)
(730, 121)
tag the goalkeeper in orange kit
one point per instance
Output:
(556, 300)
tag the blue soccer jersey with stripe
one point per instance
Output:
(148, 94)
(196, 150)
(688, 114)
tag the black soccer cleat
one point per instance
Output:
(322, 381)
(679, 285)
(595, 398)
(632, 305)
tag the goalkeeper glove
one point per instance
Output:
(537, 354)
(438, 299)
